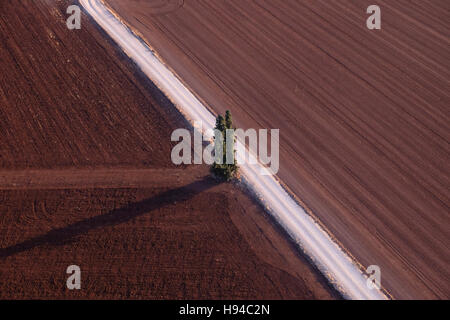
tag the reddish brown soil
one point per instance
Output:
(161, 242)
(86, 179)
(363, 114)
(60, 91)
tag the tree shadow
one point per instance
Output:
(68, 234)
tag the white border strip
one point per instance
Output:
(336, 265)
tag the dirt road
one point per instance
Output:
(363, 114)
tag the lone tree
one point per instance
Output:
(224, 139)
(228, 120)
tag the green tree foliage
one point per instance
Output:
(228, 120)
(225, 171)
(220, 123)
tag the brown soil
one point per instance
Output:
(162, 242)
(86, 179)
(363, 114)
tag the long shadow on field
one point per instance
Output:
(66, 234)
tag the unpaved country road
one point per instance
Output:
(363, 114)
